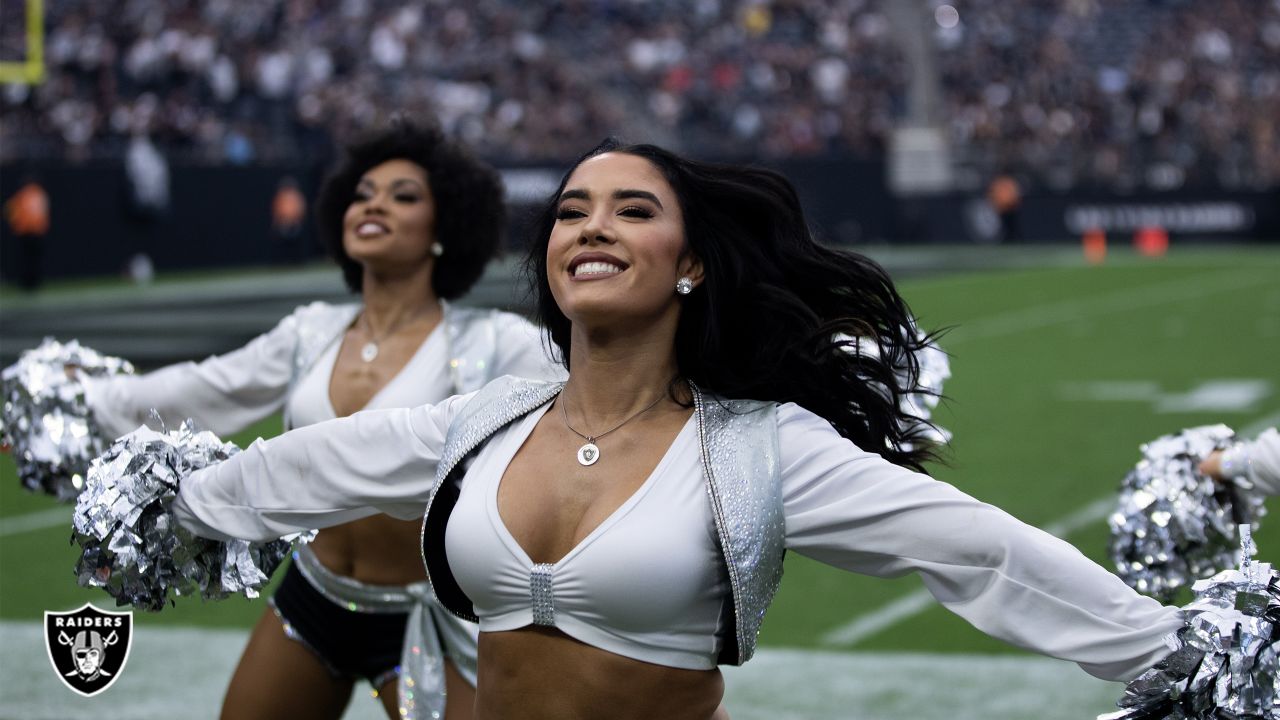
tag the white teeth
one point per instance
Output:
(369, 228)
(596, 268)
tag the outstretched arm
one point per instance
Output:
(321, 475)
(225, 393)
(853, 510)
(1258, 460)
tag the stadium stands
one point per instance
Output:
(1155, 94)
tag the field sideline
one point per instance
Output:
(1060, 372)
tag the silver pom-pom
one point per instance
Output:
(935, 368)
(1226, 656)
(131, 545)
(921, 397)
(1173, 525)
(46, 420)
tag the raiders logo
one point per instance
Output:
(88, 647)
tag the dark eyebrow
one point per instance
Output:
(638, 195)
(394, 183)
(578, 194)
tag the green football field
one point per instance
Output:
(1059, 373)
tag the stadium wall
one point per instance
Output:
(1202, 215)
(221, 216)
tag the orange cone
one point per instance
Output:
(1151, 241)
(1094, 241)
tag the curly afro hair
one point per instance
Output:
(468, 197)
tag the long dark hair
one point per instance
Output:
(778, 316)
(467, 192)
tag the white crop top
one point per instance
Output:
(423, 379)
(647, 583)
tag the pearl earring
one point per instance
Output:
(437, 249)
(684, 286)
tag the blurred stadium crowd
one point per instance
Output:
(1068, 93)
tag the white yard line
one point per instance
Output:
(182, 672)
(38, 520)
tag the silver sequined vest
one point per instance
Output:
(739, 448)
(471, 334)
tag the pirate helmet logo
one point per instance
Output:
(88, 647)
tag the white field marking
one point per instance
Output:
(1049, 314)
(1227, 395)
(1217, 396)
(182, 672)
(1110, 391)
(917, 601)
(38, 520)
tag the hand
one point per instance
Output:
(1212, 466)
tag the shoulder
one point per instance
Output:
(802, 432)
(320, 313)
(504, 397)
(470, 319)
(511, 388)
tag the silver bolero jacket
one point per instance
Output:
(471, 334)
(740, 461)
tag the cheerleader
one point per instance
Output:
(411, 218)
(620, 535)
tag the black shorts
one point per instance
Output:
(350, 644)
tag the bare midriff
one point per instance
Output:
(538, 673)
(377, 550)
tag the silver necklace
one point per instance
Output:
(369, 352)
(589, 453)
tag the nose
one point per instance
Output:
(597, 229)
(374, 204)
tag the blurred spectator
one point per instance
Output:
(148, 174)
(1005, 197)
(288, 215)
(27, 212)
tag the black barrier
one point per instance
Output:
(221, 216)
(216, 217)
(1200, 216)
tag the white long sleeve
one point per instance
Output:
(225, 393)
(321, 475)
(521, 352)
(853, 510)
(1259, 459)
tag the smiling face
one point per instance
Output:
(617, 247)
(391, 221)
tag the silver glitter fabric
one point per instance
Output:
(46, 419)
(542, 592)
(740, 464)
(1225, 658)
(1174, 526)
(134, 549)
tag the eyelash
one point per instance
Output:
(630, 211)
(366, 196)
